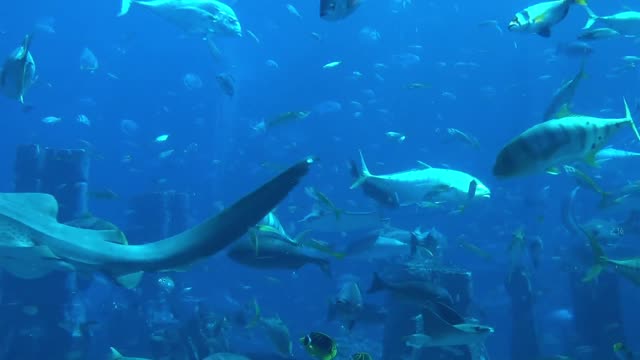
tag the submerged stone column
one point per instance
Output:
(32, 330)
(158, 215)
(155, 216)
(597, 313)
(524, 342)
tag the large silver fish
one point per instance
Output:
(626, 23)
(273, 253)
(333, 10)
(424, 185)
(199, 17)
(558, 142)
(18, 72)
(33, 243)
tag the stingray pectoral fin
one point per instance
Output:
(216, 233)
(29, 262)
(129, 281)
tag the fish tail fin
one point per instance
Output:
(592, 17)
(629, 118)
(600, 260)
(124, 8)
(376, 284)
(364, 173)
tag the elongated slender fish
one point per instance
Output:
(18, 72)
(419, 185)
(326, 221)
(563, 96)
(539, 18)
(558, 142)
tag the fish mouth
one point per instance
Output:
(512, 25)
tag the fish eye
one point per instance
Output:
(515, 20)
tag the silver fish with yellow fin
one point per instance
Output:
(539, 18)
(558, 142)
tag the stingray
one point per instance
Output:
(33, 243)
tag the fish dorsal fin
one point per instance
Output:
(563, 112)
(31, 203)
(424, 165)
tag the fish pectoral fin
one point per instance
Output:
(563, 112)
(545, 32)
(540, 18)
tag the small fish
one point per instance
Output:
(106, 194)
(253, 36)
(476, 250)
(417, 85)
(492, 24)
(226, 83)
(292, 9)
(598, 34)
(470, 140)
(396, 136)
(286, 117)
(162, 138)
(88, 61)
(333, 10)
(319, 345)
(331, 64)
(83, 119)
(51, 120)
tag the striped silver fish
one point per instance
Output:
(558, 142)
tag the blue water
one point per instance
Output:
(494, 101)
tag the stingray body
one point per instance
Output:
(33, 243)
